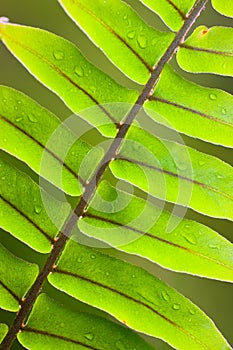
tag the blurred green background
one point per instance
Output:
(214, 297)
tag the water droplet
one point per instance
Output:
(224, 111)
(142, 41)
(165, 296)
(133, 276)
(4, 140)
(4, 100)
(213, 246)
(224, 66)
(89, 336)
(62, 324)
(18, 119)
(187, 227)
(107, 274)
(125, 17)
(213, 96)
(192, 312)
(31, 118)
(176, 306)
(80, 260)
(3, 178)
(37, 209)
(93, 256)
(201, 162)
(16, 108)
(79, 71)
(19, 102)
(131, 34)
(190, 239)
(58, 55)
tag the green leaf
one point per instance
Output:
(134, 297)
(172, 12)
(12, 286)
(194, 110)
(127, 41)
(60, 66)
(3, 330)
(223, 6)
(141, 228)
(208, 51)
(176, 173)
(22, 210)
(41, 140)
(63, 328)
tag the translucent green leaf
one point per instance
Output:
(208, 51)
(194, 110)
(60, 66)
(172, 12)
(22, 211)
(223, 6)
(113, 26)
(29, 126)
(176, 173)
(12, 286)
(3, 330)
(134, 297)
(141, 228)
(53, 326)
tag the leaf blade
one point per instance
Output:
(41, 139)
(208, 51)
(142, 305)
(190, 247)
(173, 13)
(12, 287)
(182, 172)
(203, 113)
(224, 7)
(114, 33)
(69, 75)
(76, 331)
(23, 214)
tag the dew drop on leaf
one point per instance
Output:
(89, 336)
(131, 34)
(176, 306)
(58, 55)
(224, 111)
(79, 71)
(37, 209)
(18, 119)
(107, 274)
(190, 239)
(93, 256)
(165, 296)
(201, 162)
(213, 96)
(31, 118)
(192, 312)
(4, 100)
(142, 41)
